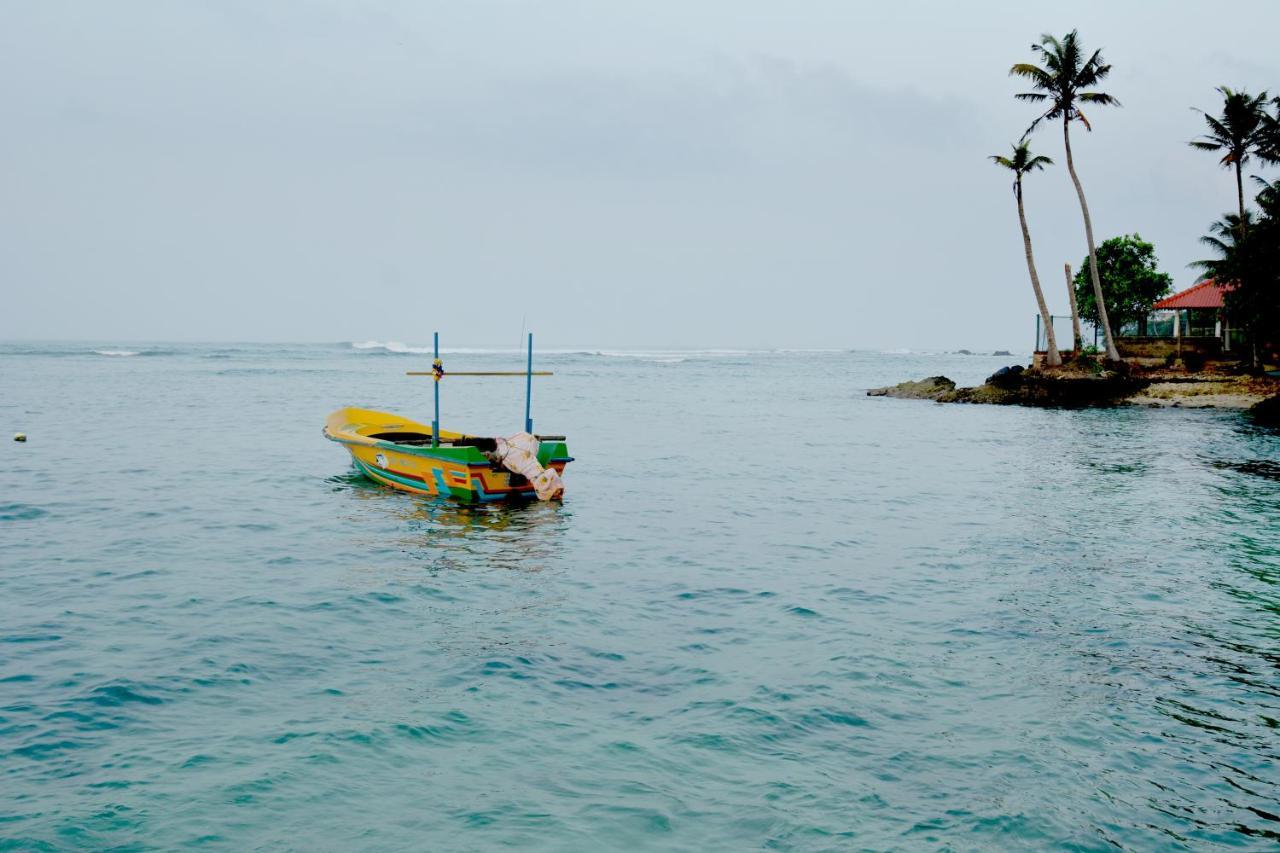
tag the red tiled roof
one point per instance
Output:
(1206, 294)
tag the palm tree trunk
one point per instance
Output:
(1240, 195)
(1077, 339)
(1113, 354)
(1052, 357)
(1244, 230)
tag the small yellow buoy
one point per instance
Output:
(22, 436)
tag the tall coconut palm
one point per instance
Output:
(1239, 133)
(1062, 81)
(1022, 162)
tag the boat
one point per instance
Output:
(423, 459)
(401, 453)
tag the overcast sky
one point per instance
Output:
(720, 173)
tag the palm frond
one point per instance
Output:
(1102, 99)
(1034, 73)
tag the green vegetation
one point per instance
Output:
(1119, 280)
(1247, 244)
(1248, 257)
(1131, 279)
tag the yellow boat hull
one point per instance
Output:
(378, 448)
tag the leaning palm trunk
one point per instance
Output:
(1052, 358)
(1113, 354)
(1076, 338)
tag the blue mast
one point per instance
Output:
(528, 389)
(435, 421)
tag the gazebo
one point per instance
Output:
(1204, 309)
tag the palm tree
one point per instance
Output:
(1021, 163)
(1062, 82)
(1228, 238)
(1269, 150)
(1239, 133)
(1224, 238)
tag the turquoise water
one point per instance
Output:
(771, 612)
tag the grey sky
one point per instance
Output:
(727, 173)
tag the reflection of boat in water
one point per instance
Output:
(519, 536)
(407, 455)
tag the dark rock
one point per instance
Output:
(1002, 352)
(932, 388)
(1267, 412)
(1017, 386)
(963, 352)
(1006, 377)
(1032, 388)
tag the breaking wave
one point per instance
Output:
(390, 346)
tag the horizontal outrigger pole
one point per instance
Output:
(480, 373)
(438, 372)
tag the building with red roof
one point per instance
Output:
(1200, 310)
(1206, 294)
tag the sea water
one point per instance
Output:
(771, 611)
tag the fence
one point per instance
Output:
(1091, 335)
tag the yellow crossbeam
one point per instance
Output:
(480, 373)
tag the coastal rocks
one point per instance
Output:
(1034, 388)
(1006, 377)
(1267, 412)
(1017, 386)
(926, 389)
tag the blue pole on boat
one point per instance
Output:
(528, 389)
(435, 420)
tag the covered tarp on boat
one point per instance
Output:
(519, 454)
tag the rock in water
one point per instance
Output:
(926, 389)
(1268, 411)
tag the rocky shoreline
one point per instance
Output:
(1074, 389)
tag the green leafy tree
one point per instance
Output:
(1061, 83)
(1022, 162)
(1132, 279)
(1240, 133)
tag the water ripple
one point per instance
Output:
(901, 626)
